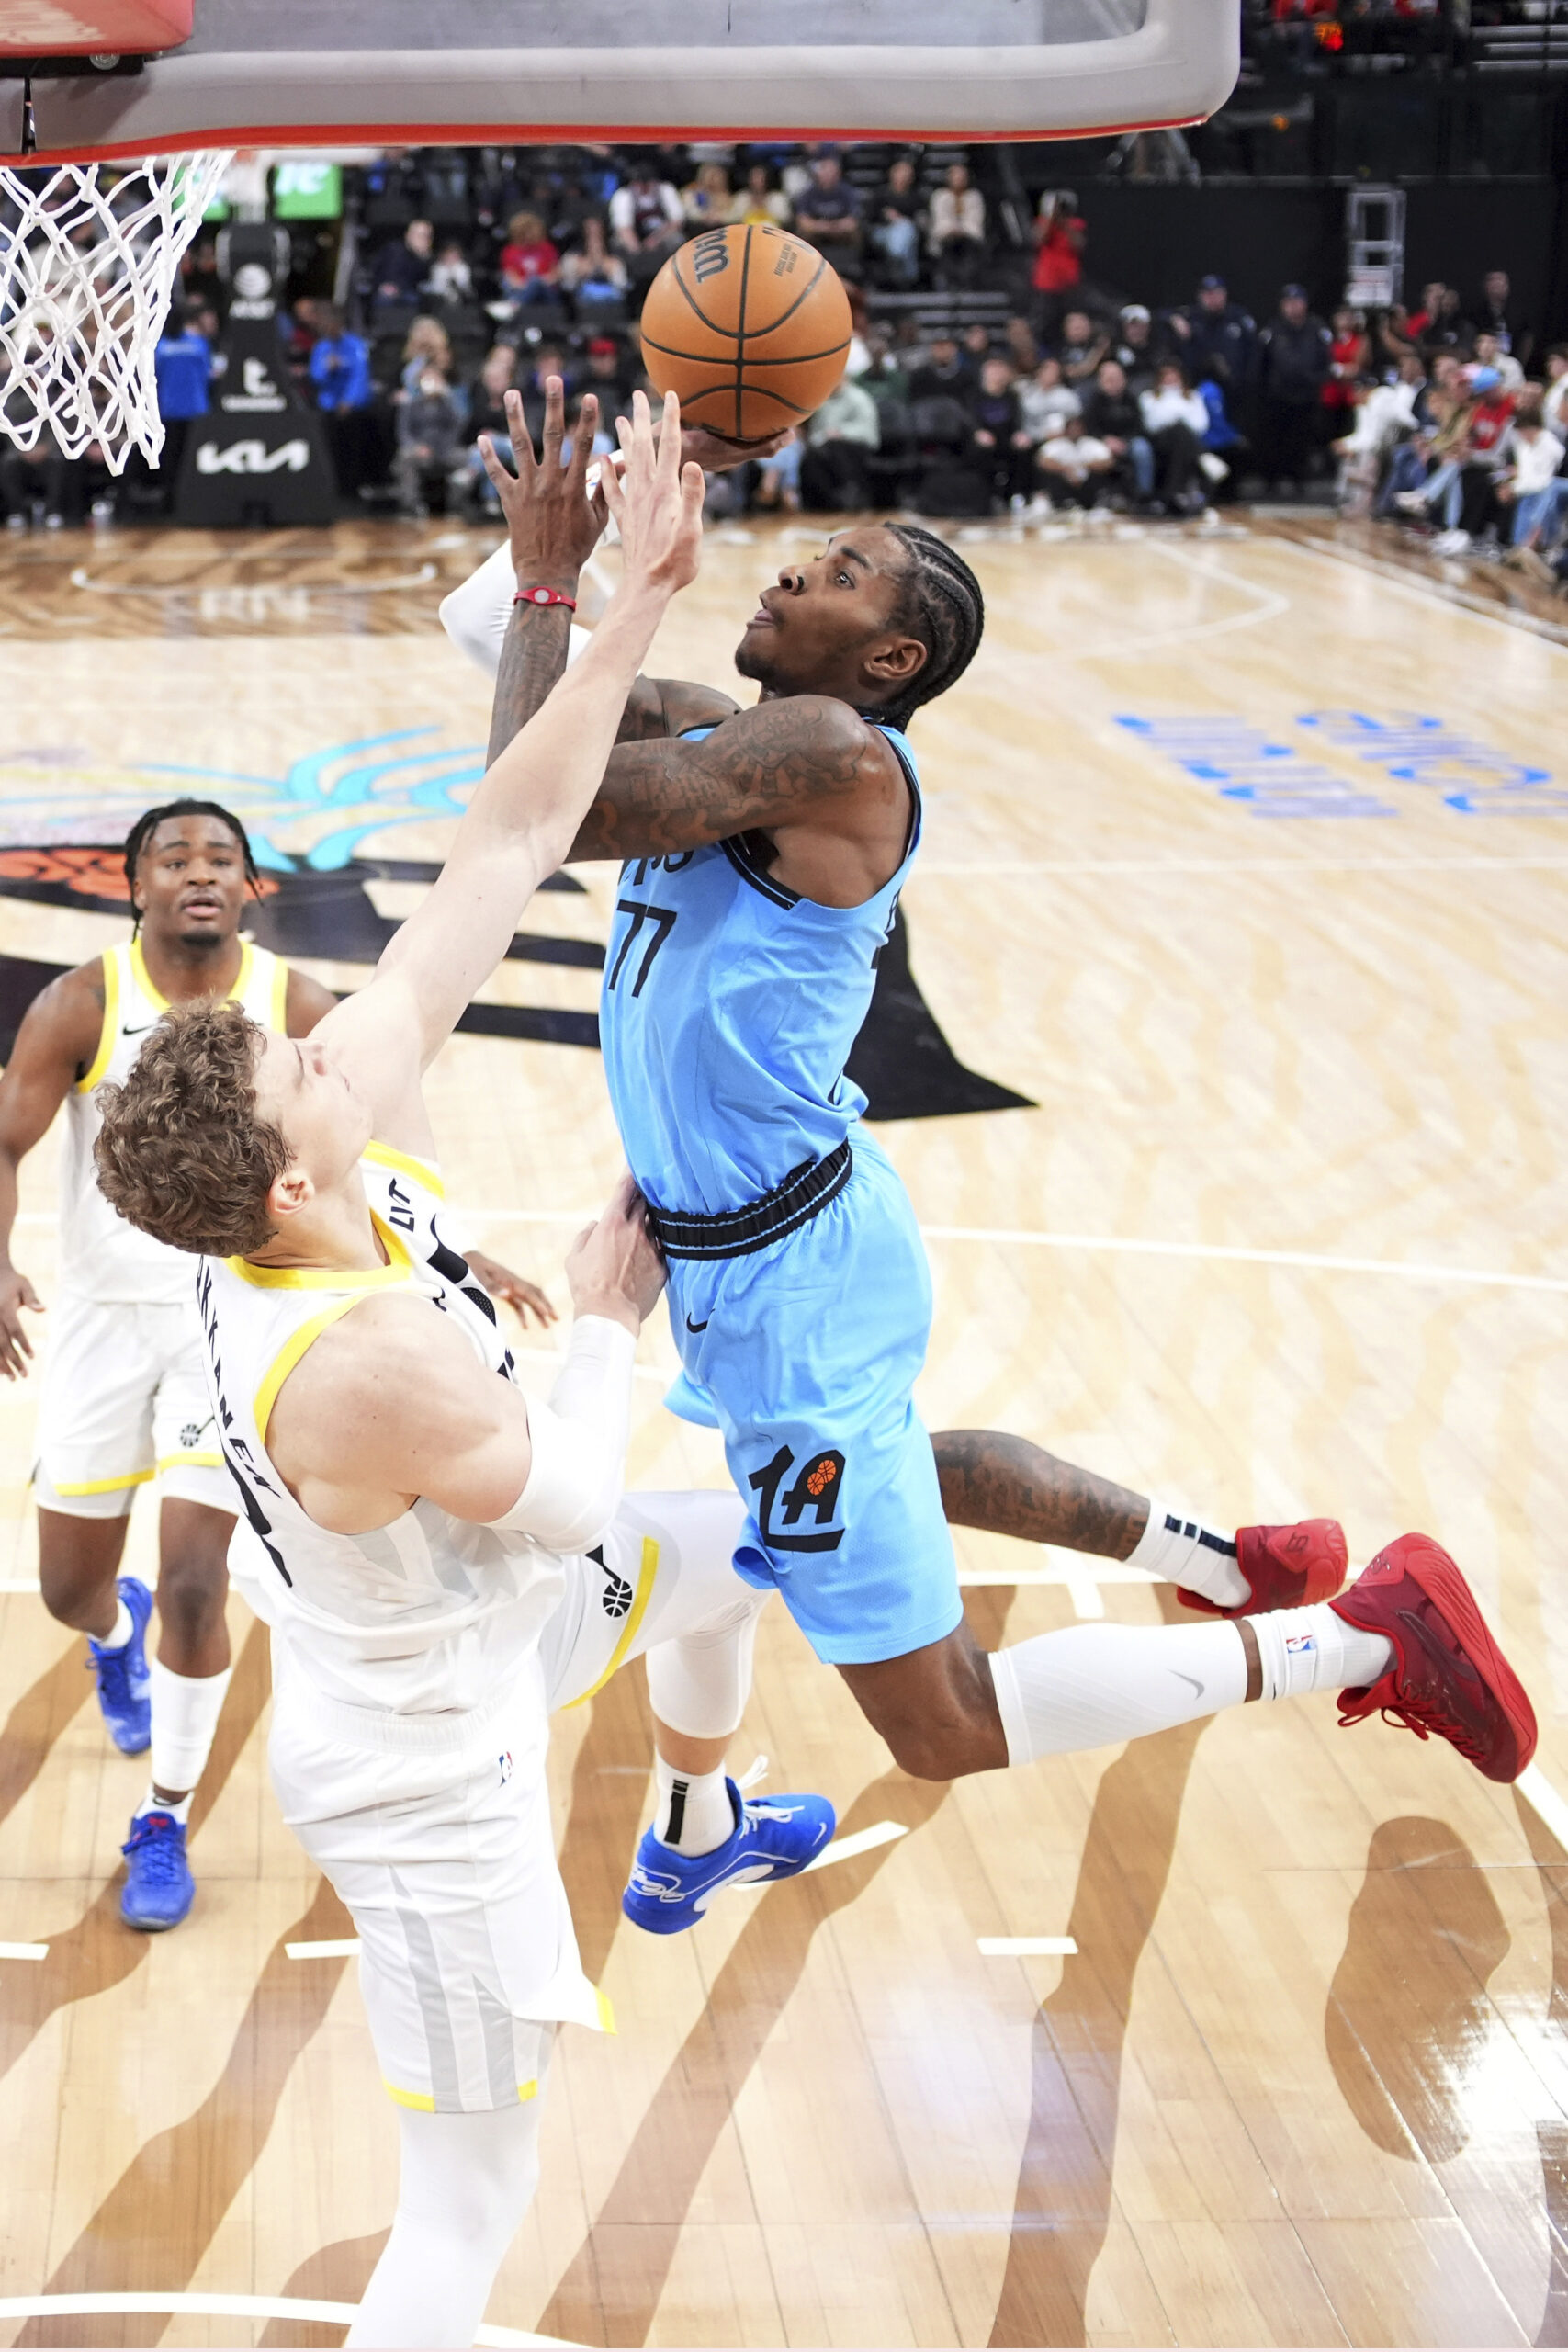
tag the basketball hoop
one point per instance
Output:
(87, 271)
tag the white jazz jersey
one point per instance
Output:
(101, 1256)
(425, 1621)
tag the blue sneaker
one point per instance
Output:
(159, 1888)
(775, 1838)
(122, 1674)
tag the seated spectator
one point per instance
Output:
(1082, 347)
(1002, 449)
(827, 212)
(1073, 465)
(760, 205)
(340, 371)
(1554, 407)
(1292, 369)
(1059, 236)
(402, 267)
(33, 484)
(894, 230)
(545, 359)
(796, 176)
(1424, 478)
(1223, 441)
(1214, 336)
(451, 279)
(1529, 486)
(646, 223)
(1047, 403)
(590, 273)
(945, 373)
(955, 228)
(429, 445)
(778, 477)
(839, 437)
(182, 362)
(1383, 416)
(706, 202)
(605, 437)
(976, 347)
(1497, 314)
(1445, 327)
(487, 414)
(426, 345)
(199, 282)
(529, 261)
(1022, 347)
(608, 377)
(1112, 414)
(1489, 353)
(1132, 345)
(1175, 421)
(885, 378)
(1480, 463)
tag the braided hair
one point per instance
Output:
(941, 604)
(147, 824)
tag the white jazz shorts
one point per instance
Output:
(440, 1841)
(124, 1401)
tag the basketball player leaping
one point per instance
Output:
(124, 1396)
(763, 851)
(418, 1534)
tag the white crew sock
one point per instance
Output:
(1093, 1684)
(1183, 1550)
(154, 1804)
(465, 2184)
(186, 1708)
(695, 1812)
(123, 1627)
(1314, 1649)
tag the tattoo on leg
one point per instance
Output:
(1012, 1488)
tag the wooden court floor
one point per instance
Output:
(1246, 865)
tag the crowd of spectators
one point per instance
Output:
(988, 374)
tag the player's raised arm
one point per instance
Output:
(522, 819)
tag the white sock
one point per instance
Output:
(1314, 1649)
(123, 1627)
(1183, 1550)
(186, 1708)
(465, 2182)
(151, 1804)
(1093, 1684)
(695, 1812)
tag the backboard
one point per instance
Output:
(346, 73)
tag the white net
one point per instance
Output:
(89, 254)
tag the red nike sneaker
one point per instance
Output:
(1286, 1567)
(1449, 1675)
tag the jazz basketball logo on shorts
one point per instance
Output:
(816, 1491)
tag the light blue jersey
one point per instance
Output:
(799, 1295)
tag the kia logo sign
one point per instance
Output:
(252, 458)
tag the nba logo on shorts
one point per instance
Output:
(505, 1761)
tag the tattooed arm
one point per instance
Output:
(659, 708)
(823, 792)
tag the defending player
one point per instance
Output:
(420, 1533)
(763, 851)
(124, 1399)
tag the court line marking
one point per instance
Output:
(1451, 600)
(82, 578)
(860, 1841)
(24, 1951)
(1270, 606)
(331, 1947)
(1537, 1790)
(205, 2306)
(1026, 1947)
(20, 1584)
(1225, 866)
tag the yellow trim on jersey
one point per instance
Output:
(288, 1355)
(280, 997)
(102, 1486)
(181, 1462)
(423, 2101)
(634, 1616)
(100, 1060)
(155, 996)
(606, 2013)
(423, 1171)
(356, 1279)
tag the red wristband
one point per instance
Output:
(545, 597)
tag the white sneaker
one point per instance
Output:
(1451, 543)
(15, 522)
(1410, 502)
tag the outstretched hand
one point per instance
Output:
(554, 520)
(615, 1266)
(656, 499)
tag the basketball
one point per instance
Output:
(749, 327)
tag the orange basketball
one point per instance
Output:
(749, 327)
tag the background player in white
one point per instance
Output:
(417, 1531)
(124, 1396)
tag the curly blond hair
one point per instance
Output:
(181, 1152)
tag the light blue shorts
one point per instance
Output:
(806, 1352)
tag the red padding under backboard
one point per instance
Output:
(98, 29)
